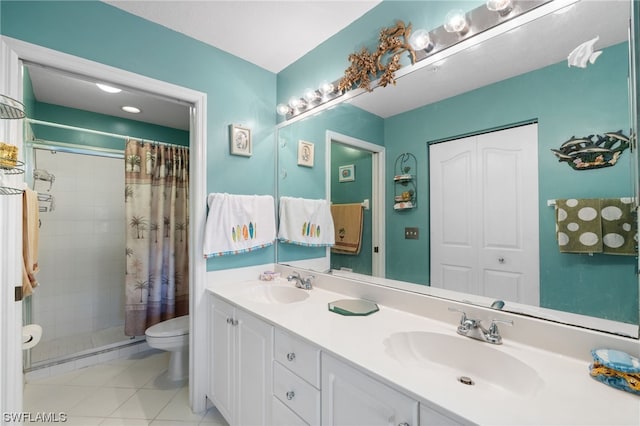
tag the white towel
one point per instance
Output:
(238, 224)
(305, 222)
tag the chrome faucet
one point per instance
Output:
(473, 328)
(304, 283)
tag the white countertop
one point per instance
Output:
(565, 394)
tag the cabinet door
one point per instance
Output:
(221, 353)
(281, 415)
(430, 417)
(350, 397)
(254, 352)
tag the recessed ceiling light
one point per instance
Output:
(131, 109)
(108, 89)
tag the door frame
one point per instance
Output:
(377, 190)
(13, 52)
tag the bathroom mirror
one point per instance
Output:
(519, 77)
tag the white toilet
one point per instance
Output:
(173, 336)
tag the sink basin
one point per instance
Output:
(463, 361)
(279, 294)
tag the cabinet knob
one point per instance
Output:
(403, 424)
(229, 320)
(291, 356)
(232, 321)
(290, 395)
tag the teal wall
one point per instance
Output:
(310, 182)
(328, 61)
(566, 102)
(104, 123)
(237, 91)
(353, 192)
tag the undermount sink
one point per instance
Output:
(278, 294)
(460, 359)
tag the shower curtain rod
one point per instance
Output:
(98, 132)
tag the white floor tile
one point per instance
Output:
(53, 398)
(125, 422)
(83, 421)
(132, 391)
(102, 402)
(97, 375)
(144, 404)
(178, 408)
(213, 417)
(173, 423)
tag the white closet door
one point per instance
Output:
(484, 215)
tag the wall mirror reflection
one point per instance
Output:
(518, 80)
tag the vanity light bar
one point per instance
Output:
(311, 99)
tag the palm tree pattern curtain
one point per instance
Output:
(157, 258)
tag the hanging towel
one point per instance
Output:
(619, 226)
(238, 224)
(30, 238)
(305, 222)
(347, 219)
(597, 226)
(579, 226)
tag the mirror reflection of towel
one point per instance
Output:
(347, 219)
(596, 226)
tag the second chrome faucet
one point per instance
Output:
(474, 329)
(304, 283)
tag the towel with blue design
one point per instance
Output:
(617, 369)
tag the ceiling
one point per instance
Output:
(233, 26)
(254, 30)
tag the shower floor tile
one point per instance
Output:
(132, 391)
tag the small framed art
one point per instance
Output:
(240, 141)
(305, 153)
(347, 173)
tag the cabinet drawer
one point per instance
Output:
(298, 356)
(296, 394)
(281, 415)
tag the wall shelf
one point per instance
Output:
(9, 166)
(405, 179)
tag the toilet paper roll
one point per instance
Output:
(31, 335)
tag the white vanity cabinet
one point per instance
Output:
(296, 381)
(350, 397)
(240, 364)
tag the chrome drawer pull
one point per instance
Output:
(290, 395)
(291, 356)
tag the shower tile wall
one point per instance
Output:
(82, 244)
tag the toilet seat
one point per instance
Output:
(170, 328)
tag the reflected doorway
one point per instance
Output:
(356, 177)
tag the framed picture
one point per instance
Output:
(347, 173)
(305, 153)
(240, 141)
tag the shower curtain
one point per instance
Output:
(157, 219)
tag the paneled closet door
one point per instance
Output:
(484, 214)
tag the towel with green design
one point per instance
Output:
(596, 225)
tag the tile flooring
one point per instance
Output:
(129, 391)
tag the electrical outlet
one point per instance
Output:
(411, 233)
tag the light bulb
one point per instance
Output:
(311, 95)
(420, 40)
(503, 7)
(283, 109)
(326, 89)
(456, 22)
(296, 103)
